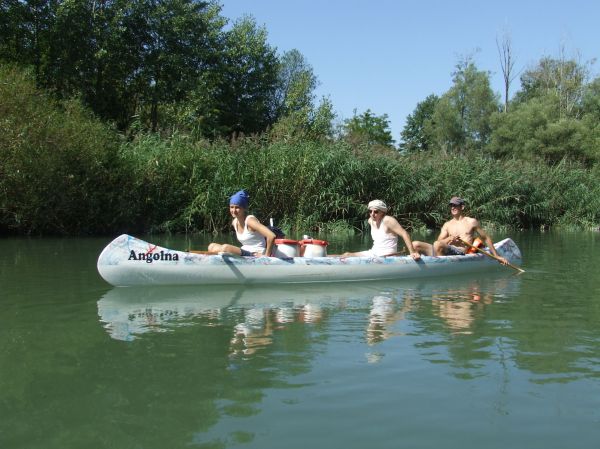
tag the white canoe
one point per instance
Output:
(128, 261)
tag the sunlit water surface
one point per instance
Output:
(491, 361)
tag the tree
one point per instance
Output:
(462, 116)
(507, 64)
(591, 99)
(560, 77)
(416, 135)
(122, 57)
(534, 130)
(177, 44)
(368, 128)
(297, 116)
(243, 88)
(296, 83)
(24, 31)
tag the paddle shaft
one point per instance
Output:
(514, 267)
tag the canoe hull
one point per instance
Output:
(129, 261)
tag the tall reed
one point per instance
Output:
(64, 172)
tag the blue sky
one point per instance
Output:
(388, 55)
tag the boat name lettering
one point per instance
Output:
(151, 257)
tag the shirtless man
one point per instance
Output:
(459, 227)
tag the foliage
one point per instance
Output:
(298, 117)
(462, 115)
(591, 100)
(533, 130)
(417, 132)
(64, 172)
(59, 167)
(244, 88)
(561, 78)
(368, 128)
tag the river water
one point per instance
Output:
(493, 361)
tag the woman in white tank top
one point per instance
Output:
(256, 239)
(385, 231)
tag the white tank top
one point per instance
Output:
(384, 242)
(251, 241)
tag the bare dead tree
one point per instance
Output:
(507, 63)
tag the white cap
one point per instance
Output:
(379, 205)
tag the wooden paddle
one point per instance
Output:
(208, 253)
(514, 267)
(213, 253)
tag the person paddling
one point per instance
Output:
(457, 235)
(256, 238)
(385, 231)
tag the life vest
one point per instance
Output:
(477, 243)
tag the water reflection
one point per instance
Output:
(458, 307)
(255, 313)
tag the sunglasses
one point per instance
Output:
(374, 211)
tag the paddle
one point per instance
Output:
(514, 267)
(208, 253)
(213, 253)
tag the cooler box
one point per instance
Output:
(313, 248)
(286, 248)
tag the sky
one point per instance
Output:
(389, 55)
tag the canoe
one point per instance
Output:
(128, 261)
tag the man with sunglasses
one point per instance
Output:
(456, 230)
(385, 231)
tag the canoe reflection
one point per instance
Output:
(255, 314)
(130, 312)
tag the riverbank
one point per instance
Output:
(66, 173)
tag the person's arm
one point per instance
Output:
(397, 229)
(444, 237)
(488, 242)
(257, 226)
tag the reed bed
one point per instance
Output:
(64, 172)
(319, 187)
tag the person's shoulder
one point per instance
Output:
(252, 219)
(391, 223)
(472, 221)
(388, 219)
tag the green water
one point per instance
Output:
(494, 361)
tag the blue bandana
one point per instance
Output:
(240, 198)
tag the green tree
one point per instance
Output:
(591, 99)
(25, 29)
(178, 43)
(239, 97)
(462, 116)
(130, 57)
(368, 128)
(559, 77)
(417, 132)
(534, 130)
(297, 116)
(296, 83)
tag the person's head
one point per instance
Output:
(377, 209)
(457, 204)
(239, 200)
